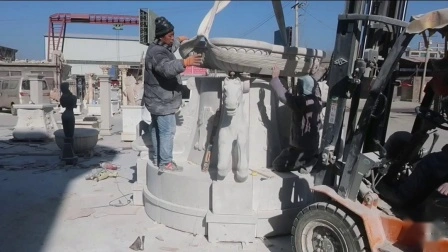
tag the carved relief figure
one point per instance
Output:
(138, 91)
(234, 127)
(129, 82)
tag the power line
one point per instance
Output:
(249, 31)
(318, 20)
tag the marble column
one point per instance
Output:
(36, 92)
(90, 88)
(105, 69)
(106, 125)
(123, 73)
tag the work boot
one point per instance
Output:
(170, 167)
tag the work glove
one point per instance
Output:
(182, 39)
(194, 60)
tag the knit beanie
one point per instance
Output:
(163, 27)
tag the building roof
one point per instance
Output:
(8, 48)
(103, 37)
(414, 59)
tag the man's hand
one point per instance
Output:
(443, 189)
(182, 39)
(194, 60)
(275, 72)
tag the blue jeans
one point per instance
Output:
(162, 128)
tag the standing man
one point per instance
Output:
(163, 91)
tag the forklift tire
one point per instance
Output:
(325, 227)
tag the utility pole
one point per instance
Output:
(296, 8)
(296, 32)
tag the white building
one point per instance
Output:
(85, 53)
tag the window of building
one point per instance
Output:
(26, 85)
(44, 85)
(5, 84)
(13, 84)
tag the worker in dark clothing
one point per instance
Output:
(163, 91)
(431, 172)
(302, 154)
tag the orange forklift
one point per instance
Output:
(351, 211)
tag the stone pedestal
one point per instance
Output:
(115, 107)
(95, 109)
(35, 122)
(140, 145)
(80, 124)
(132, 115)
(36, 90)
(106, 111)
(68, 155)
(232, 218)
(225, 211)
(84, 140)
(231, 228)
(237, 201)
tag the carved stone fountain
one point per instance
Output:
(239, 198)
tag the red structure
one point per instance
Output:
(58, 23)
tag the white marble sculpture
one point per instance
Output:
(129, 82)
(247, 140)
(250, 56)
(234, 127)
(138, 91)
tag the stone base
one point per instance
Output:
(231, 228)
(237, 201)
(35, 122)
(95, 109)
(106, 132)
(84, 140)
(186, 201)
(137, 195)
(115, 107)
(132, 115)
(139, 185)
(80, 124)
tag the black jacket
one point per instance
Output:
(163, 83)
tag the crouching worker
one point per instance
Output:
(302, 154)
(163, 91)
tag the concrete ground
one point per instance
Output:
(46, 207)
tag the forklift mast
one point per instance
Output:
(364, 54)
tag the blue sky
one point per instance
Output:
(23, 24)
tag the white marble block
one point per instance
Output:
(35, 122)
(132, 115)
(229, 197)
(231, 228)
